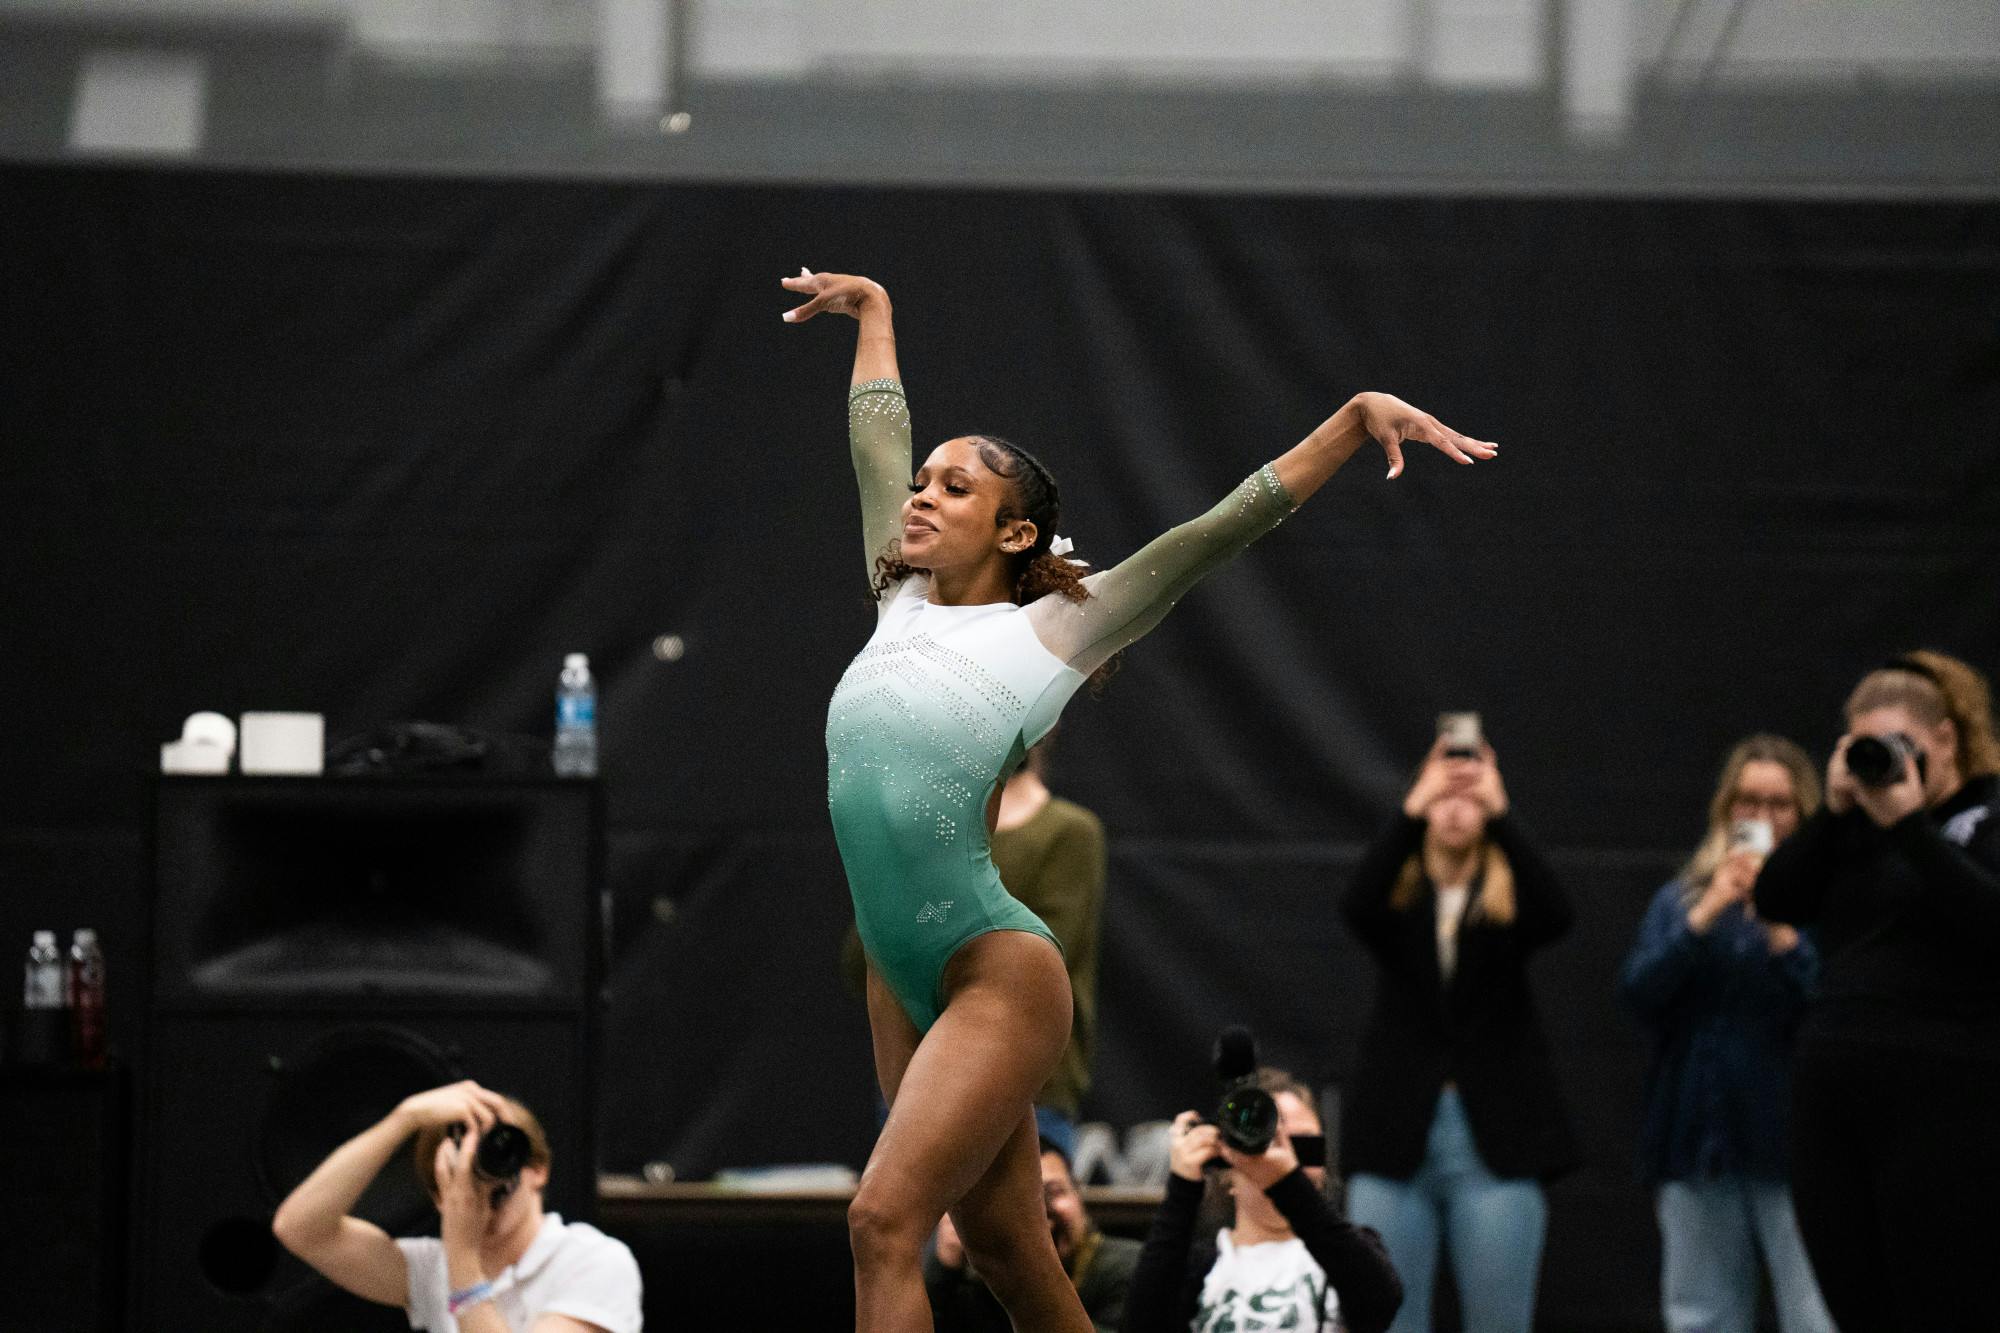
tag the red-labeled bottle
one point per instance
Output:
(86, 998)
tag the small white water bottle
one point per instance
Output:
(42, 979)
(576, 720)
(44, 1035)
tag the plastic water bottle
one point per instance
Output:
(44, 1022)
(86, 998)
(576, 720)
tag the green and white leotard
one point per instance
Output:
(944, 700)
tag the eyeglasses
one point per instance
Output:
(1768, 805)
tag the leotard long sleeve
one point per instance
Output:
(945, 699)
(878, 435)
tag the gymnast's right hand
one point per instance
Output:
(833, 294)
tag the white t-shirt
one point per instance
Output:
(1270, 1286)
(570, 1268)
(1450, 914)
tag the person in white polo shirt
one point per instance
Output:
(499, 1265)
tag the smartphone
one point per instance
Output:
(1461, 734)
(1752, 835)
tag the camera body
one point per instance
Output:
(1877, 761)
(1247, 1115)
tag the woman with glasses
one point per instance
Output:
(1720, 993)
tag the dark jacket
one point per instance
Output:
(1721, 1010)
(1907, 919)
(1481, 1032)
(1166, 1288)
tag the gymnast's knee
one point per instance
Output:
(882, 1230)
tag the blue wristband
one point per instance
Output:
(472, 1295)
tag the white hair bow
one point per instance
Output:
(1062, 546)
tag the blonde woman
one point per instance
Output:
(1896, 1079)
(1456, 1121)
(1721, 993)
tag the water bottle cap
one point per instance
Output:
(85, 935)
(576, 660)
(45, 937)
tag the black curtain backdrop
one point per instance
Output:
(387, 448)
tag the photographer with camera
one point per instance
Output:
(1896, 1075)
(1456, 1122)
(501, 1264)
(1720, 993)
(1285, 1259)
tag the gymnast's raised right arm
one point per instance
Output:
(878, 416)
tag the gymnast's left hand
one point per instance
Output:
(1392, 423)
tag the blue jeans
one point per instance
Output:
(1712, 1233)
(1493, 1228)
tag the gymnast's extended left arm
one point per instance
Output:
(1130, 598)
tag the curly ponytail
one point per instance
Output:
(1047, 574)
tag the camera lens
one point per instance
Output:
(1877, 761)
(503, 1151)
(1248, 1119)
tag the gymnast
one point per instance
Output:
(983, 631)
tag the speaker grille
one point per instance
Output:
(342, 1082)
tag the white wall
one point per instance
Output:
(1792, 40)
(1471, 43)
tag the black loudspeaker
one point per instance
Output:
(320, 949)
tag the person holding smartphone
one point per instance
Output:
(1895, 1126)
(1456, 1121)
(1720, 993)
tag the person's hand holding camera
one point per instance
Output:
(465, 1206)
(1191, 1145)
(1266, 1168)
(1891, 802)
(461, 1103)
(1840, 784)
